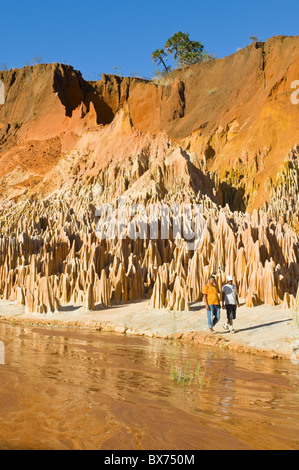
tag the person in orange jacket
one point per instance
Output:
(212, 301)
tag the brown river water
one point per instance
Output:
(75, 389)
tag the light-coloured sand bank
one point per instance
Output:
(266, 331)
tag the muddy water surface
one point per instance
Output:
(70, 389)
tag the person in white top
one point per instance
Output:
(231, 301)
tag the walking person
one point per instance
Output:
(230, 301)
(212, 301)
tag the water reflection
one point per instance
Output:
(81, 390)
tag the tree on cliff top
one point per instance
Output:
(175, 45)
(159, 57)
(182, 49)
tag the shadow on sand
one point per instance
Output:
(263, 325)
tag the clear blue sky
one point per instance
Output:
(95, 36)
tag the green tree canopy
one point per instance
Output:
(182, 49)
(176, 44)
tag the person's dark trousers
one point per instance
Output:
(231, 311)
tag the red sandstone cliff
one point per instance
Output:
(223, 132)
(233, 116)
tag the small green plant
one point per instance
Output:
(201, 376)
(117, 70)
(186, 375)
(37, 59)
(212, 91)
(182, 375)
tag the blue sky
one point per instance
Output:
(95, 36)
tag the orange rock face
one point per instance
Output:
(222, 135)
